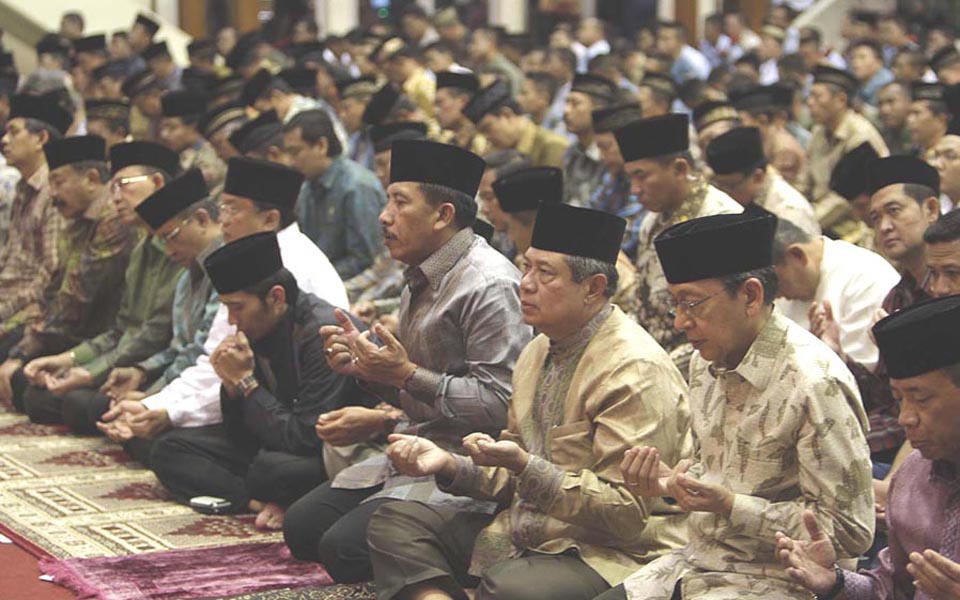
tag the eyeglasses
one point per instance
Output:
(229, 209)
(119, 184)
(687, 307)
(176, 230)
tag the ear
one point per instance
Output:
(323, 145)
(446, 214)
(272, 217)
(758, 175)
(157, 180)
(596, 285)
(202, 217)
(753, 290)
(796, 252)
(277, 295)
(932, 208)
(681, 167)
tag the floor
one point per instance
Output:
(19, 580)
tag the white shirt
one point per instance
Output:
(769, 73)
(586, 54)
(855, 281)
(193, 398)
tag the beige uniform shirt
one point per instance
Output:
(545, 148)
(784, 431)
(623, 391)
(785, 201)
(652, 310)
(421, 88)
(823, 152)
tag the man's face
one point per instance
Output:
(19, 146)
(239, 218)
(937, 40)
(183, 239)
(549, 298)
(139, 38)
(669, 42)
(946, 160)
(576, 113)
(480, 45)
(742, 187)
(128, 188)
(489, 205)
(930, 413)
(649, 106)
(301, 33)
(253, 316)
(176, 135)
(351, 113)
(438, 61)
(499, 129)
(557, 68)
(712, 31)
(309, 159)
(409, 223)
(413, 27)
(449, 107)
(824, 103)
(810, 53)
(120, 47)
(925, 128)
(864, 64)
(943, 268)
(893, 104)
(769, 48)
(797, 276)
(889, 33)
(609, 151)
(71, 191)
(711, 327)
(108, 87)
(530, 99)
(658, 187)
(381, 167)
(903, 69)
(898, 222)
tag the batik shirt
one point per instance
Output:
(582, 173)
(785, 201)
(9, 177)
(783, 431)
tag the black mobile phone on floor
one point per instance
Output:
(210, 505)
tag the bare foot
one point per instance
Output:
(270, 517)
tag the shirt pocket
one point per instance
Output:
(571, 445)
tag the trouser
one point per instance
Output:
(139, 449)
(329, 525)
(205, 461)
(8, 341)
(620, 593)
(79, 409)
(19, 386)
(413, 543)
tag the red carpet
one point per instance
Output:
(19, 580)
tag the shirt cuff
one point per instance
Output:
(82, 354)
(465, 479)
(424, 385)
(857, 586)
(747, 514)
(540, 481)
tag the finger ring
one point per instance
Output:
(329, 351)
(356, 359)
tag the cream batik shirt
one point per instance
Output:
(784, 431)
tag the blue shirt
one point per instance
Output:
(869, 90)
(690, 65)
(339, 212)
(613, 196)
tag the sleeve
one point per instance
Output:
(172, 361)
(835, 475)
(857, 314)
(494, 334)
(285, 428)
(17, 297)
(362, 208)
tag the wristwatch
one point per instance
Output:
(247, 385)
(837, 587)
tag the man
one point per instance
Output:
(29, 258)
(89, 53)
(484, 51)
(261, 138)
(454, 92)
(275, 383)
(688, 63)
(928, 118)
(499, 119)
(180, 131)
(258, 197)
(920, 561)
(536, 98)
(142, 32)
(849, 180)
(767, 108)
(712, 119)
(819, 275)
(397, 60)
(440, 56)
(338, 206)
(946, 64)
(741, 170)
(142, 324)
(576, 497)
(838, 130)
(266, 92)
(109, 119)
(769, 52)
(499, 164)
(107, 80)
(665, 181)
(716, 46)
(613, 194)
(946, 159)
(219, 123)
(417, 28)
(355, 94)
(561, 63)
(776, 417)
(893, 106)
(591, 42)
(866, 64)
(520, 194)
(144, 92)
(383, 137)
(582, 169)
(910, 66)
(81, 299)
(459, 336)
(656, 95)
(161, 65)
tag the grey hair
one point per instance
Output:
(582, 267)
(766, 275)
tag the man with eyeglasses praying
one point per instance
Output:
(777, 422)
(143, 322)
(94, 247)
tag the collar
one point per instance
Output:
(437, 265)
(96, 207)
(691, 206)
(528, 134)
(197, 265)
(946, 473)
(38, 180)
(844, 127)
(287, 233)
(578, 341)
(756, 366)
(331, 174)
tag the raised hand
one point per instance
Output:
(644, 473)
(338, 344)
(350, 425)
(809, 562)
(935, 575)
(120, 381)
(387, 364)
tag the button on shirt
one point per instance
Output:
(339, 211)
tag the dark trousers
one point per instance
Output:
(329, 525)
(10, 340)
(139, 449)
(78, 409)
(619, 593)
(205, 461)
(413, 543)
(19, 385)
